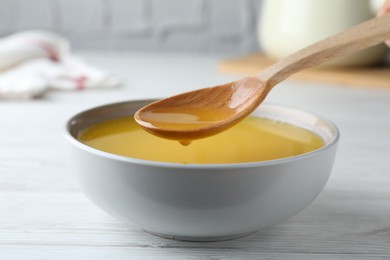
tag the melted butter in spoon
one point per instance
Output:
(182, 119)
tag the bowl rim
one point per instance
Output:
(69, 137)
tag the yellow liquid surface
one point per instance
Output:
(252, 140)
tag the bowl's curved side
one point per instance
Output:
(191, 205)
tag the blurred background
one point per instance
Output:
(227, 26)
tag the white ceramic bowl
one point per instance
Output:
(201, 202)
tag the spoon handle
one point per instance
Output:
(359, 37)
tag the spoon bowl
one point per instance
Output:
(205, 112)
(190, 116)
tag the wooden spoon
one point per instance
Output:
(205, 112)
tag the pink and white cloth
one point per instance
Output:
(31, 63)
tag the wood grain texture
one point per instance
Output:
(43, 215)
(370, 77)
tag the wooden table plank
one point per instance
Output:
(371, 77)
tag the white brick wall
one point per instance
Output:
(182, 25)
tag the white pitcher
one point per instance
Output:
(289, 25)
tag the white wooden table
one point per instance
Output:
(43, 215)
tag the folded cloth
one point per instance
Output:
(31, 63)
